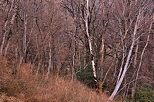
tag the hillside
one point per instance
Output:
(75, 50)
(26, 86)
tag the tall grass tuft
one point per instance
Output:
(25, 86)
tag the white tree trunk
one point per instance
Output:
(123, 54)
(5, 27)
(140, 64)
(114, 93)
(25, 32)
(49, 66)
(11, 27)
(89, 41)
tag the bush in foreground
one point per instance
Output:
(25, 86)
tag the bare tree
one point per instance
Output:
(134, 36)
(89, 41)
(5, 27)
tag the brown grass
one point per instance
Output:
(25, 86)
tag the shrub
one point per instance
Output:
(144, 94)
(25, 86)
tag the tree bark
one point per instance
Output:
(134, 66)
(49, 66)
(140, 64)
(114, 93)
(5, 28)
(89, 41)
(11, 28)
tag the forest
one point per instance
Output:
(103, 47)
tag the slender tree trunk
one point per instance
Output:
(49, 66)
(11, 28)
(140, 64)
(102, 59)
(134, 66)
(123, 53)
(23, 57)
(73, 66)
(89, 41)
(50, 55)
(114, 93)
(5, 28)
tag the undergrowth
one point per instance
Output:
(26, 86)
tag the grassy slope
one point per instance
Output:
(25, 86)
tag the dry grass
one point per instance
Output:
(24, 86)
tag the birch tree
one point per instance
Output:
(5, 27)
(11, 26)
(142, 6)
(89, 41)
(127, 61)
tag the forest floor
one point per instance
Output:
(24, 85)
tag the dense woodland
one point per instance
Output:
(106, 44)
